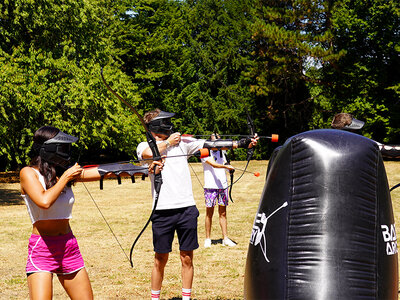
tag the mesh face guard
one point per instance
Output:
(57, 150)
(354, 125)
(162, 124)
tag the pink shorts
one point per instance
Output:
(55, 254)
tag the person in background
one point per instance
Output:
(346, 121)
(216, 192)
(46, 190)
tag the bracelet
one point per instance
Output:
(167, 143)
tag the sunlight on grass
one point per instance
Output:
(219, 270)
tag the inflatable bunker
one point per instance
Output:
(324, 228)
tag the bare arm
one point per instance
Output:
(214, 164)
(173, 140)
(31, 186)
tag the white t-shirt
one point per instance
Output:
(176, 189)
(61, 208)
(215, 178)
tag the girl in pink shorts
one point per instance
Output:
(46, 189)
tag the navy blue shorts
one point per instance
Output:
(183, 220)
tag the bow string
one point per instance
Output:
(156, 156)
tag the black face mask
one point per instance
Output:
(58, 154)
(354, 125)
(161, 124)
(58, 149)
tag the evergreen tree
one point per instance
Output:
(288, 38)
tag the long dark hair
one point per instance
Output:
(48, 170)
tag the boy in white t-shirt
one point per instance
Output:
(176, 209)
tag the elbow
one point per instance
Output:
(45, 204)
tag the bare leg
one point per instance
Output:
(208, 222)
(40, 285)
(157, 275)
(187, 269)
(222, 220)
(77, 285)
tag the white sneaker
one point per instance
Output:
(207, 243)
(228, 242)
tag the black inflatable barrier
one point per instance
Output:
(324, 228)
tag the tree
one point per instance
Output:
(288, 37)
(365, 81)
(189, 57)
(51, 55)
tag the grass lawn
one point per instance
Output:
(219, 270)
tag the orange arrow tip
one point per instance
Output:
(204, 152)
(274, 138)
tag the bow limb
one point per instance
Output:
(230, 188)
(394, 187)
(252, 132)
(231, 175)
(250, 151)
(156, 156)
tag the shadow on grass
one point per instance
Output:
(10, 197)
(216, 242)
(219, 241)
(180, 298)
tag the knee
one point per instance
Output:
(186, 259)
(160, 260)
(210, 212)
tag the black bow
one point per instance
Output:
(156, 156)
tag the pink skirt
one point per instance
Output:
(55, 254)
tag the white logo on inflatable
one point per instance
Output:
(389, 236)
(258, 233)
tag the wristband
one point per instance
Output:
(244, 143)
(167, 143)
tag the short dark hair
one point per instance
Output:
(340, 120)
(150, 115)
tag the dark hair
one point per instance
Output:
(48, 170)
(340, 120)
(151, 115)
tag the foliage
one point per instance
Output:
(188, 57)
(288, 37)
(51, 76)
(365, 81)
(291, 64)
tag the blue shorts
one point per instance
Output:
(183, 220)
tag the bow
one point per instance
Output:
(231, 175)
(156, 156)
(250, 151)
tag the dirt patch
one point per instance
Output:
(9, 177)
